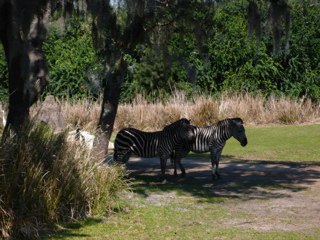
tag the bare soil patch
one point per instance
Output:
(262, 195)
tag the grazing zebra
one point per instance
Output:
(211, 139)
(152, 144)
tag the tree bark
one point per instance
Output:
(111, 96)
(27, 65)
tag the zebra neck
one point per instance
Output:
(224, 132)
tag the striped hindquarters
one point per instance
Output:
(143, 144)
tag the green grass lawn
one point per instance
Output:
(280, 143)
(203, 215)
(158, 222)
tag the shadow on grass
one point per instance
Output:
(66, 232)
(241, 179)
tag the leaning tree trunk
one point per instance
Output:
(109, 109)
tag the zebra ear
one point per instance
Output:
(237, 119)
(190, 120)
(241, 121)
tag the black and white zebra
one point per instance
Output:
(211, 139)
(152, 144)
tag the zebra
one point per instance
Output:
(152, 144)
(211, 139)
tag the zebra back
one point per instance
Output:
(229, 121)
(177, 124)
(150, 144)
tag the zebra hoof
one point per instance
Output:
(216, 177)
(183, 175)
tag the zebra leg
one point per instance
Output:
(163, 163)
(126, 157)
(215, 159)
(122, 158)
(175, 167)
(182, 153)
(183, 171)
(174, 162)
(178, 161)
(217, 163)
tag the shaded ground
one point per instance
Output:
(291, 192)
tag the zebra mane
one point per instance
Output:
(222, 122)
(176, 124)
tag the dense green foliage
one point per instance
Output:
(223, 55)
(231, 59)
(70, 57)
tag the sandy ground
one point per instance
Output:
(291, 191)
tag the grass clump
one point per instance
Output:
(205, 111)
(45, 180)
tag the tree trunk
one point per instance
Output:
(27, 65)
(111, 96)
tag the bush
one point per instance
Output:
(46, 180)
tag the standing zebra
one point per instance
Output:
(211, 139)
(152, 144)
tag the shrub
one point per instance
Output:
(46, 180)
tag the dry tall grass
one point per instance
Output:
(45, 180)
(205, 110)
(202, 110)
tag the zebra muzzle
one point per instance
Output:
(244, 142)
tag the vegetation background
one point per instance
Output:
(233, 57)
(239, 69)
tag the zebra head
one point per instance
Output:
(238, 131)
(188, 132)
(182, 130)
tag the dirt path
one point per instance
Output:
(291, 191)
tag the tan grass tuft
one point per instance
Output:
(83, 114)
(204, 111)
